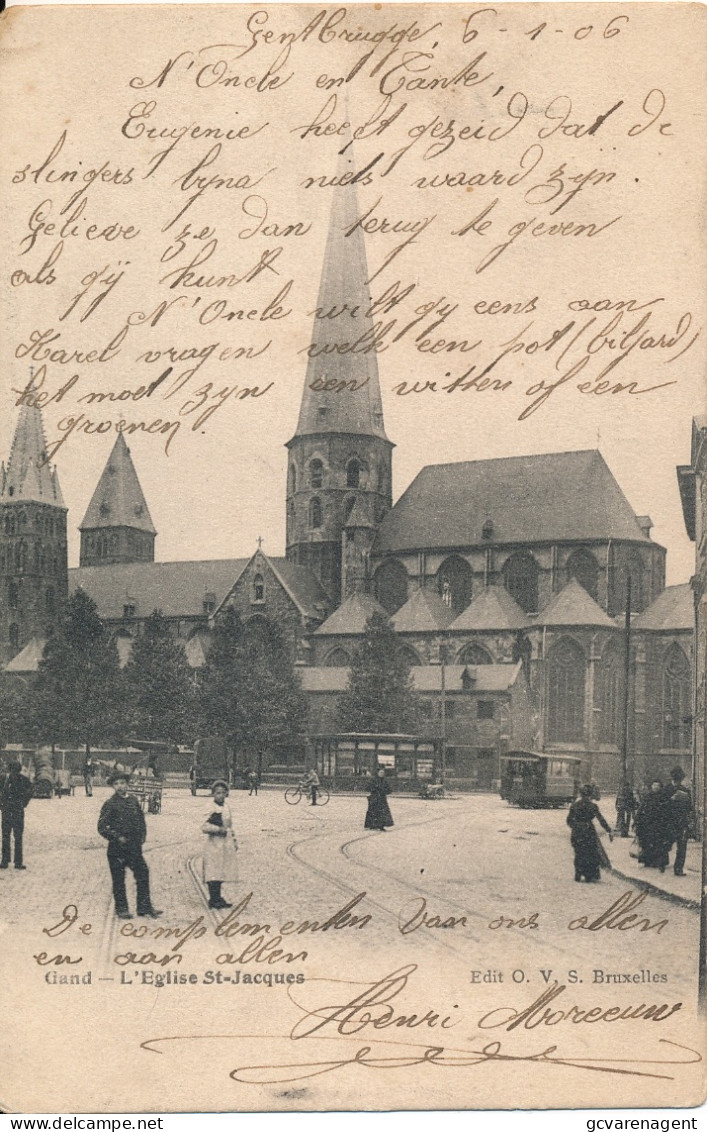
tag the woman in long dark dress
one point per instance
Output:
(589, 853)
(653, 828)
(378, 814)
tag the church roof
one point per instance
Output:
(343, 287)
(179, 589)
(558, 497)
(28, 476)
(27, 660)
(351, 617)
(118, 500)
(492, 608)
(425, 677)
(424, 611)
(574, 606)
(673, 609)
(303, 586)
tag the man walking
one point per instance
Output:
(15, 794)
(122, 823)
(680, 810)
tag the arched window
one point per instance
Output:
(454, 582)
(520, 577)
(316, 473)
(565, 709)
(315, 514)
(337, 658)
(677, 700)
(353, 474)
(258, 587)
(293, 479)
(609, 700)
(409, 655)
(391, 584)
(584, 568)
(12, 595)
(14, 633)
(474, 654)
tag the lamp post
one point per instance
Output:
(443, 712)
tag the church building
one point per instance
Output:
(505, 579)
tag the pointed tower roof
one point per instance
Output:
(28, 475)
(351, 617)
(574, 606)
(344, 288)
(424, 611)
(493, 608)
(118, 500)
(358, 517)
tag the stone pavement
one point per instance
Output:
(684, 890)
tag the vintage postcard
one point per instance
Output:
(352, 557)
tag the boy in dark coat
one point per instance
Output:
(15, 793)
(122, 823)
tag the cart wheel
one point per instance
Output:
(322, 797)
(293, 795)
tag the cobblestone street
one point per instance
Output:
(499, 879)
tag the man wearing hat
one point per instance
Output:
(122, 823)
(15, 794)
(680, 813)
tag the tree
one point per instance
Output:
(219, 694)
(380, 697)
(78, 695)
(14, 702)
(250, 694)
(158, 685)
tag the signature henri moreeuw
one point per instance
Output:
(371, 1011)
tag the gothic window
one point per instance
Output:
(353, 474)
(566, 670)
(315, 514)
(291, 518)
(520, 577)
(50, 600)
(391, 585)
(337, 658)
(293, 479)
(316, 473)
(14, 633)
(610, 681)
(474, 654)
(13, 595)
(409, 655)
(258, 588)
(454, 582)
(583, 567)
(677, 700)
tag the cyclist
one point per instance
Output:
(310, 785)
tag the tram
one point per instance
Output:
(532, 780)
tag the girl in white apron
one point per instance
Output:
(220, 866)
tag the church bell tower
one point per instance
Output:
(339, 468)
(33, 549)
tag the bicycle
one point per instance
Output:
(294, 794)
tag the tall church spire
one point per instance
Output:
(28, 476)
(343, 317)
(33, 555)
(117, 526)
(340, 456)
